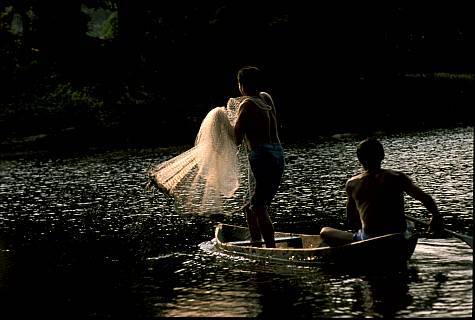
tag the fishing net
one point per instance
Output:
(213, 177)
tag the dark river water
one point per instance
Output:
(81, 238)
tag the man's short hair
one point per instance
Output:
(251, 78)
(370, 153)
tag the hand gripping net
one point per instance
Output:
(213, 177)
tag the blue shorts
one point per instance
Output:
(360, 235)
(267, 165)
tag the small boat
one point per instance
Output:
(311, 249)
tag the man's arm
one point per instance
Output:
(352, 214)
(241, 121)
(436, 223)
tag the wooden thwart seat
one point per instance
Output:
(277, 240)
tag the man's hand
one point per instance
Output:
(151, 184)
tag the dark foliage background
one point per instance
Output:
(83, 73)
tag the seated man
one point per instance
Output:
(375, 203)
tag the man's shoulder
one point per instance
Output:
(246, 104)
(354, 179)
(384, 172)
(357, 176)
(395, 173)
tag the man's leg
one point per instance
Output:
(265, 226)
(253, 225)
(335, 237)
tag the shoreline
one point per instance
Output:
(65, 143)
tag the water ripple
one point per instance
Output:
(89, 218)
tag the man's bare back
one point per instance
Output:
(257, 120)
(376, 198)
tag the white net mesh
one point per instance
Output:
(213, 177)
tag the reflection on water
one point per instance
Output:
(432, 285)
(444, 267)
(79, 237)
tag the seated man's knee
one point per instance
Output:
(326, 231)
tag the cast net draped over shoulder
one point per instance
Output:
(213, 177)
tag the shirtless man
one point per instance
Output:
(256, 125)
(375, 204)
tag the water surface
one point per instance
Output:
(80, 237)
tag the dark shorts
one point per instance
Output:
(267, 165)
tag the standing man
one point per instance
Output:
(256, 125)
(375, 204)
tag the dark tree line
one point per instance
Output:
(166, 63)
